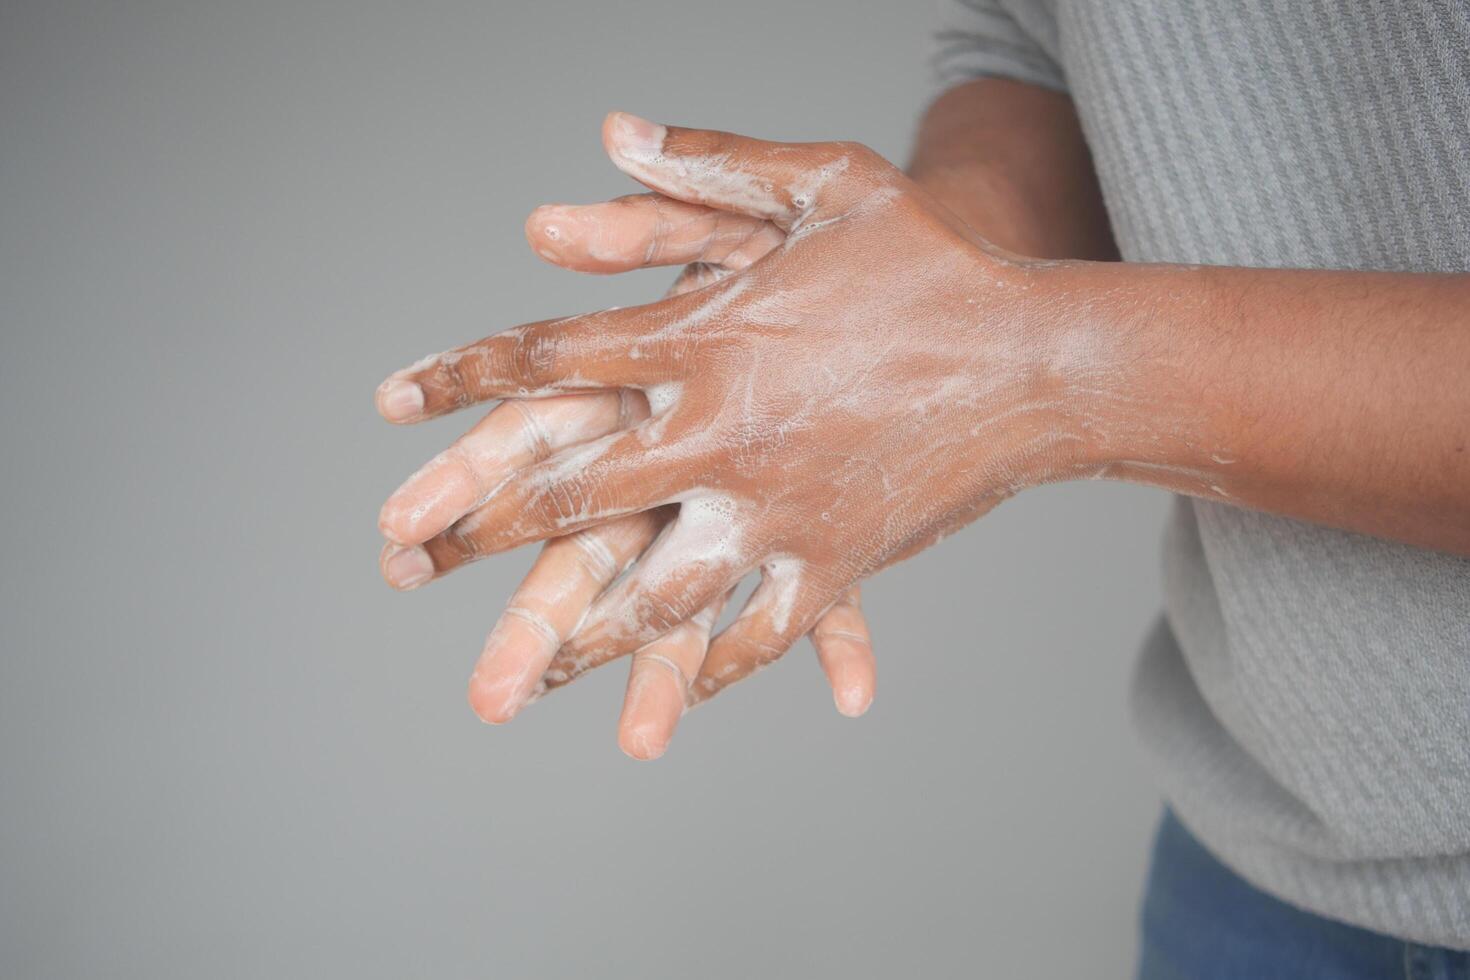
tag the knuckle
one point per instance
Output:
(833, 633)
(649, 658)
(464, 539)
(627, 409)
(564, 501)
(533, 356)
(658, 613)
(594, 557)
(538, 623)
(858, 153)
(536, 439)
(862, 165)
(457, 457)
(657, 234)
(461, 384)
(764, 651)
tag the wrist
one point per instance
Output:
(1135, 358)
(1104, 354)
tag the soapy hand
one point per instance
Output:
(878, 380)
(632, 232)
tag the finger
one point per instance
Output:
(622, 473)
(644, 230)
(845, 652)
(568, 574)
(580, 353)
(686, 569)
(658, 685)
(786, 605)
(515, 434)
(784, 183)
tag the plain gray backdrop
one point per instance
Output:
(228, 750)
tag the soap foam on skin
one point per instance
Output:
(515, 434)
(756, 431)
(712, 178)
(660, 398)
(899, 406)
(705, 536)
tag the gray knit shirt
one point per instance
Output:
(1306, 700)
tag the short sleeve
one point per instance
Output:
(981, 39)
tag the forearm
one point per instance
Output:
(1341, 398)
(1336, 397)
(1010, 159)
(885, 376)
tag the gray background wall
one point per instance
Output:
(227, 750)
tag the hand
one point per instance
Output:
(632, 232)
(879, 380)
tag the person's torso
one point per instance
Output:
(1302, 134)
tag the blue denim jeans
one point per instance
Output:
(1201, 921)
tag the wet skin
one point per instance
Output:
(857, 373)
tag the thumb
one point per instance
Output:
(785, 183)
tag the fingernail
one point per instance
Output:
(409, 568)
(853, 701)
(400, 400)
(638, 137)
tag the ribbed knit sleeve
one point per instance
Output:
(990, 38)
